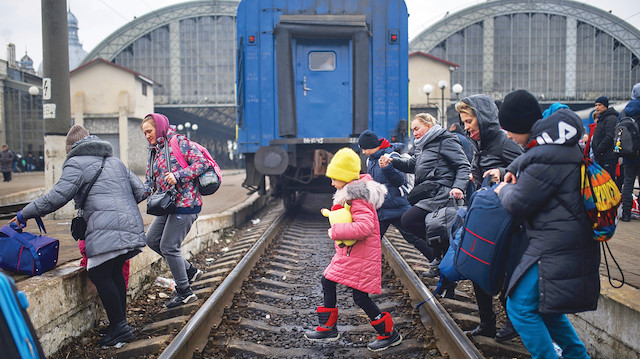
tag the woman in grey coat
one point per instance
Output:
(115, 231)
(439, 163)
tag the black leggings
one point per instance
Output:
(361, 299)
(413, 221)
(109, 282)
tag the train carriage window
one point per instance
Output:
(322, 61)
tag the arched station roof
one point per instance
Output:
(558, 49)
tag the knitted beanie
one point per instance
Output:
(368, 140)
(344, 166)
(603, 100)
(519, 111)
(75, 134)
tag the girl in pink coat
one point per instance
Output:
(357, 266)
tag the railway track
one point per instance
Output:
(262, 288)
(9, 211)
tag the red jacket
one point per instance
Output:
(358, 266)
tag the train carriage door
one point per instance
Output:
(323, 81)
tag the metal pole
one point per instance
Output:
(20, 120)
(442, 110)
(56, 96)
(55, 65)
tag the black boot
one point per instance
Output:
(446, 288)
(507, 332)
(119, 333)
(388, 336)
(626, 216)
(486, 328)
(327, 329)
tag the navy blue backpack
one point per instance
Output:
(482, 252)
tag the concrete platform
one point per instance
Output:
(63, 303)
(27, 186)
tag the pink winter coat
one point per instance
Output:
(358, 266)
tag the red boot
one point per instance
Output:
(387, 335)
(327, 331)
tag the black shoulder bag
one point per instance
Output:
(78, 224)
(427, 188)
(162, 204)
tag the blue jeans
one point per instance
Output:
(537, 330)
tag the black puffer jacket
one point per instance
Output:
(450, 168)
(602, 140)
(495, 150)
(547, 195)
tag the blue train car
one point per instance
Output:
(311, 76)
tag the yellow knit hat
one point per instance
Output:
(344, 166)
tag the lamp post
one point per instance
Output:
(442, 84)
(457, 89)
(427, 91)
(189, 127)
(33, 91)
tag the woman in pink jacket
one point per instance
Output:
(357, 266)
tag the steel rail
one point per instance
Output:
(455, 342)
(10, 210)
(194, 336)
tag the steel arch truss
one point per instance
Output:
(620, 30)
(128, 34)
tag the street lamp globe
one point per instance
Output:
(180, 127)
(194, 127)
(34, 91)
(457, 89)
(442, 84)
(427, 89)
(187, 124)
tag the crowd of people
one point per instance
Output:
(114, 227)
(15, 162)
(534, 158)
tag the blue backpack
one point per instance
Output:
(446, 266)
(17, 336)
(484, 241)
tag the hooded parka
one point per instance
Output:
(358, 266)
(547, 195)
(494, 149)
(438, 158)
(113, 219)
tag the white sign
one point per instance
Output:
(46, 88)
(48, 110)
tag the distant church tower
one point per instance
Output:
(26, 63)
(76, 52)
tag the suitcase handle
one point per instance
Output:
(23, 222)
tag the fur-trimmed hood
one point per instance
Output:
(91, 146)
(363, 188)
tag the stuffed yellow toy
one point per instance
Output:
(339, 214)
